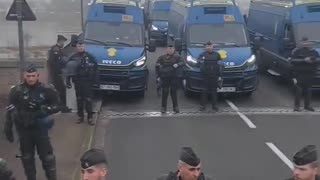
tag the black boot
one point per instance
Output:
(163, 110)
(80, 120)
(90, 120)
(202, 108)
(176, 109)
(215, 108)
(309, 108)
(296, 109)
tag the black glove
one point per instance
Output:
(9, 135)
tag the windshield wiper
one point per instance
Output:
(197, 44)
(96, 41)
(107, 43)
(122, 43)
(314, 41)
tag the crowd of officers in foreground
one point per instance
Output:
(32, 103)
(94, 166)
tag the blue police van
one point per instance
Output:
(158, 20)
(194, 22)
(275, 28)
(114, 33)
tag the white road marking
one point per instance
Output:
(280, 155)
(242, 116)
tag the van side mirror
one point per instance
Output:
(171, 36)
(245, 17)
(152, 45)
(178, 45)
(288, 44)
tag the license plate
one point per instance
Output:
(227, 89)
(110, 87)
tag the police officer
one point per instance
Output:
(306, 164)
(84, 77)
(210, 67)
(94, 165)
(5, 173)
(304, 60)
(166, 69)
(56, 63)
(189, 167)
(30, 106)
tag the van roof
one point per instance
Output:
(190, 3)
(120, 2)
(286, 3)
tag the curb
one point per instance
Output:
(87, 144)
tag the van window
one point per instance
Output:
(265, 23)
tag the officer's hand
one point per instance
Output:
(158, 79)
(69, 86)
(175, 65)
(33, 105)
(308, 59)
(9, 135)
(219, 78)
(295, 82)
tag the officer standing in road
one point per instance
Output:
(306, 164)
(211, 71)
(166, 69)
(305, 61)
(94, 165)
(56, 62)
(189, 167)
(84, 78)
(5, 173)
(30, 106)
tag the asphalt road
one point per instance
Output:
(251, 138)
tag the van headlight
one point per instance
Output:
(251, 61)
(140, 62)
(155, 28)
(191, 60)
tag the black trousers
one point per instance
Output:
(169, 84)
(58, 83)
(30, 141)
(210, 85)
(303, 88)
(84, 94)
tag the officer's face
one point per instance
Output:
(170, 50)
(306, 172)
(94, 173)
(209, 48)
(61, 43)
(187, 172)
(80, 47)
(31, 78)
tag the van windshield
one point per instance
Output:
(158, 15)
(225, 34)
(309, 30)
(114, 33)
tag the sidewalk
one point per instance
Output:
(69, 139)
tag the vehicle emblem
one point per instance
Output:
(112, 52)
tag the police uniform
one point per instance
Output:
(210, 70)
(56, 62)
(304, 73)
(93, 157)
(189, 157)
(305, 156)
(29, 110)
(84, 78)
(5, 173)
(169, 79)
